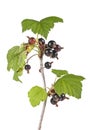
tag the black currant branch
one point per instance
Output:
(41, 48)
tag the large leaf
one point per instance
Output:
(36, 95)
(59, 73)
(16, 60)
(41, 27)
(70, 84)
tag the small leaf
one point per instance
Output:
(36, 95)
(59, 73)
(16, 60)
(41, 27)
(70, 84)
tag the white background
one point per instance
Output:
(16, 113)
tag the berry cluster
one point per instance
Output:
(50, 49)
(56, 98)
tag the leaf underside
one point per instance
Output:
(41, 27)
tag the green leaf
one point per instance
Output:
(17, 74)
(36, 95)
(59, 73)
(16, 60)
(69, 84)
(41, 27)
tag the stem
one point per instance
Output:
(31, 57)
(42, 72)
(44, 104)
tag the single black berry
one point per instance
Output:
(47, 65)
(48, 51)
(41, 41)
(51, 44)
(27, 68)
(56, 97)
(54, 54)
(53, 101)
(62, 97)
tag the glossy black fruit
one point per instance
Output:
(62, 97)
(48, 51)
(55, 97)
(53, 101)
(51, 44)
(27, 68)
(41, 41)
(54, 54)
(47, 65)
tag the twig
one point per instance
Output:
(44, 104)
(31, 57)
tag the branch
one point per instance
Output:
(42, 72)
(44, 104)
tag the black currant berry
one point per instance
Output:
(53, 101)
(27, 68)
(56, 97)
(54, 54)
(47, 65)
(58, 48)
(41, 41)
(51, 44)
(62, 97)
(48, 52)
